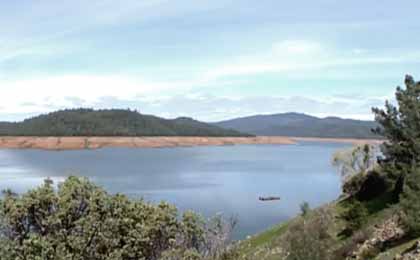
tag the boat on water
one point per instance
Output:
(268, 198)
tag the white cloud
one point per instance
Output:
(306, 56)
(41, 94)
(47, 93)
(214, 108)
(358, 51)
(296, 47)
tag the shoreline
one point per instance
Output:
(81, 143)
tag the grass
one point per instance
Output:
(269, 244)
(263, 246)
(250, 246)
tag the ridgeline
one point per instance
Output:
(302, 125)
(112, 122)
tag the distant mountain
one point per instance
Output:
(112, 122)
(301, 125)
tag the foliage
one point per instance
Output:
(362, 177)
(373, 185)
(113, 122)
(304, 208)
(410, 203)
(356, 160)
(400, 125)
(355, 215)
(368, 186)
(309, 238)
(81, 221)
(352, 244)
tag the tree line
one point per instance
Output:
(110, 122)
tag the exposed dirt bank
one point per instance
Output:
(76, 143)
(337, 140)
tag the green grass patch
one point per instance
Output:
(264, 239)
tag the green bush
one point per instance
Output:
(410, 203)
(355, 216)
(304, 208)
(367, 186)
(310, 238)
(353, 184)
(347, 249)
(80, 221)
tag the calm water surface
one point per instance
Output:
(209, 180)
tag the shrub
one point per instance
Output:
(304, 208)
(352, 244)
(367, 186)
(410, 203)
(372, 185)
(309, 238)
(353, 184)
(355, 161)
(81, 221)
(355, 216)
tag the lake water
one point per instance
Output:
(210, 180)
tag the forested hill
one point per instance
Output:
(301, 125)
(112, 122)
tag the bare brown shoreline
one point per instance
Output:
(79, 143)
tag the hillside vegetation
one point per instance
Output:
(80, 221)
(113, 122)
(301, 125)
(378, 214)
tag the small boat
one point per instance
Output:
(268, 198)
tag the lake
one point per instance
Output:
(210, 180)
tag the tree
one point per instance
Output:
(355, 160)
(355, 216)
(304, 208)
(410, 203)
(354, 164)
(110, 122)
(82, 221)
(400, 125)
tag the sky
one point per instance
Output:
(210, 60)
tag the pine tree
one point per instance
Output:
(400, 125)
(401, 128)
(410, 203)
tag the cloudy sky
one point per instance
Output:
(210, 60)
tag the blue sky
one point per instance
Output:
(210, 60)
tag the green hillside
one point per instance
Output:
(301, 125)
(112, 122)
(378, 214)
